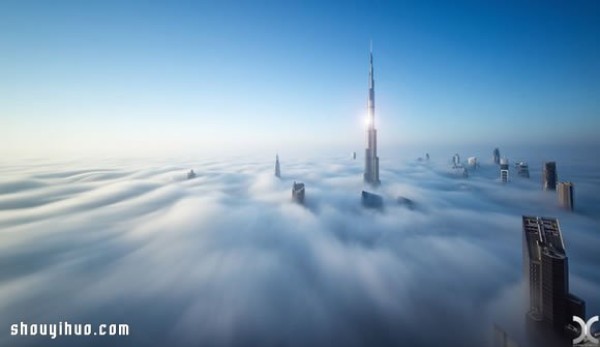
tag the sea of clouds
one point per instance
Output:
(227, 259)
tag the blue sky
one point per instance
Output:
(146, 75)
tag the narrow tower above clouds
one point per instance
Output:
(371, 174)
(277, 169)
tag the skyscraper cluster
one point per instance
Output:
(371, 170)
(564, 190)
(546, 268)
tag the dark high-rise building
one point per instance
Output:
(522, 169)
(555, 287)
(496, 156)
(371, 200)
(371, 174)
(549, 175)
(546, 270)
(277, 168)
(298, 192)
(565, 195)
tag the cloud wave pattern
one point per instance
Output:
(227, 259)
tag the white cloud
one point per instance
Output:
(228, 259)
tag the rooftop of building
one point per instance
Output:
(298, 186)
(372, 200)
(543, 235)
(566, 183)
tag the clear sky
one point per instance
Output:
(147, 75)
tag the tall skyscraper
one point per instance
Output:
(565, 195)
(496, 156)
(277, 169)
(504, 170)
(546, 271)
(549, 175)
(371, 174)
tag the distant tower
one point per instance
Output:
(504, 170)
(496, 156)
(565, 195)
(277, 169)
(371, 174)
(523, 169)
(298, 192)
(546, 271)
(549, 175)
(472, 161)
(426, 156)
(456, 160)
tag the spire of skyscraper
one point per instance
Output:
(371, 174)
(277, 169)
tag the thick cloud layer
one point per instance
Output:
(227, 259)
